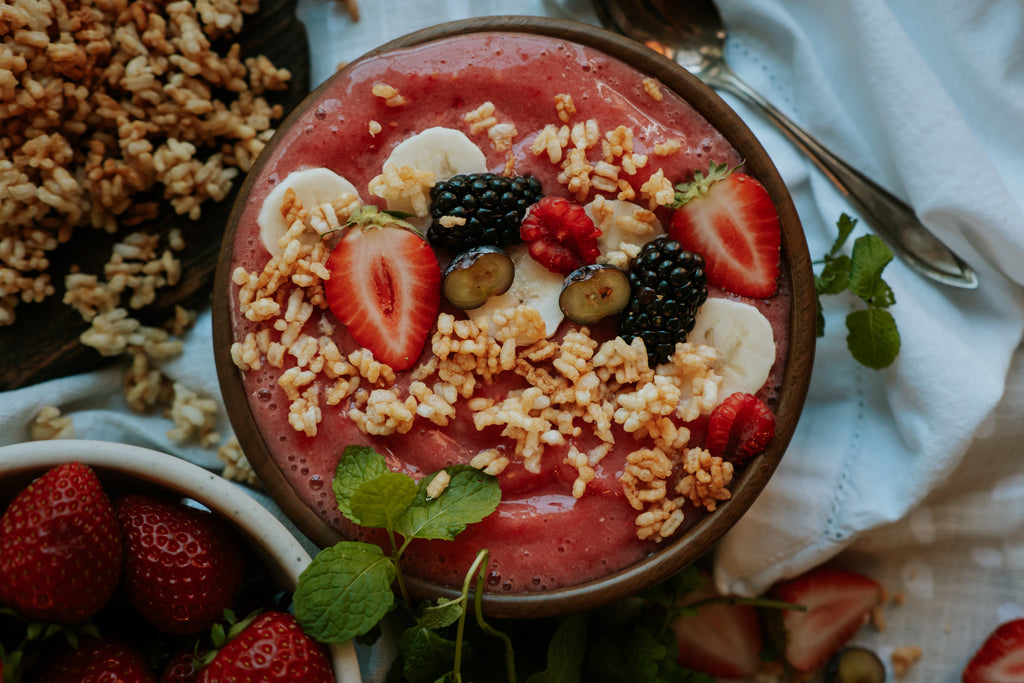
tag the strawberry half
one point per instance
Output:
(838, 603)
(60, 547)
(719, 639)
(385, 287)
(739, 428)
(270, 648)
(560, 234)
(183, 566)
(729, 218)
(1000, 659)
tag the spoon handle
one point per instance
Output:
(891, 218)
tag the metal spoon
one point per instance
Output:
(691, 33)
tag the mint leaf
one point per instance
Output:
(631, 655)
(471, 496)
(870, 257)
(378, 503)
(445, 612)
(358, 464)
(845, 224)
(426, 656)
(873, 339)
(566, 653)
(835, 275)
(344, 591)
(872, 336)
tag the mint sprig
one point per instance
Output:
(872, 336)
(349, 588)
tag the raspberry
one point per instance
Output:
(561, 235)
(739, 428)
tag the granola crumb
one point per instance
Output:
(236, 465)
(49, 423)
(903, 658)
(653, 89)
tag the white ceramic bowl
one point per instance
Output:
(114, 462)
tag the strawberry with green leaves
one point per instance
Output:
(60, 547)
(730, 219)
(269, 648)
(385, 286)
(183, 566)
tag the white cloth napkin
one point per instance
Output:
(928, 98)
(925, 98)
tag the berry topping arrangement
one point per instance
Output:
(564, 295)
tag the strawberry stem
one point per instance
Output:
(699, 186)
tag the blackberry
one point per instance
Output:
(492, 205)
(668, 286)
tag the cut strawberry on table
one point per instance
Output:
(560, 234)
(729, 218)
(61, 547)
(385, 287)
(837, 603)
(270, 648)
(719, 639)
(739, 428)
(183, 566)
(1000, 659)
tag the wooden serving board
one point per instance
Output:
(43, 342)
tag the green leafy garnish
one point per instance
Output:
(872, 336)
(348, 588)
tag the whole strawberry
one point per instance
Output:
(98, 660)
(272, 647)
(183, 566)
(60, 547)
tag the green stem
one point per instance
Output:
(510, 655)
(756, 602)
(481, 559)
(396, 555)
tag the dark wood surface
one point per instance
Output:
(695, 542)
(43, 342)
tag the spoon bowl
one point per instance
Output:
(691, 33)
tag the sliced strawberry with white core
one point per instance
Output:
(730, 219)
(384, 287)
(719, 639)
(1000, 659)
(837, 603)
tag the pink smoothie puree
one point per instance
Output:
(542, 536)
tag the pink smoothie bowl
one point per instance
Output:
(790, 381)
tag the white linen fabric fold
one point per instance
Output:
(928, 98)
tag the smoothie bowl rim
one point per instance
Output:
(156, 471)
(675, 553)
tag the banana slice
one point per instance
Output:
(622, 222)
(442, 152)
(312, 186)
(534, 286)
(744, 340)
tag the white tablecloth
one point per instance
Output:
(911, 474)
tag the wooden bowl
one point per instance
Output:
(678, 552)
(124, 468)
